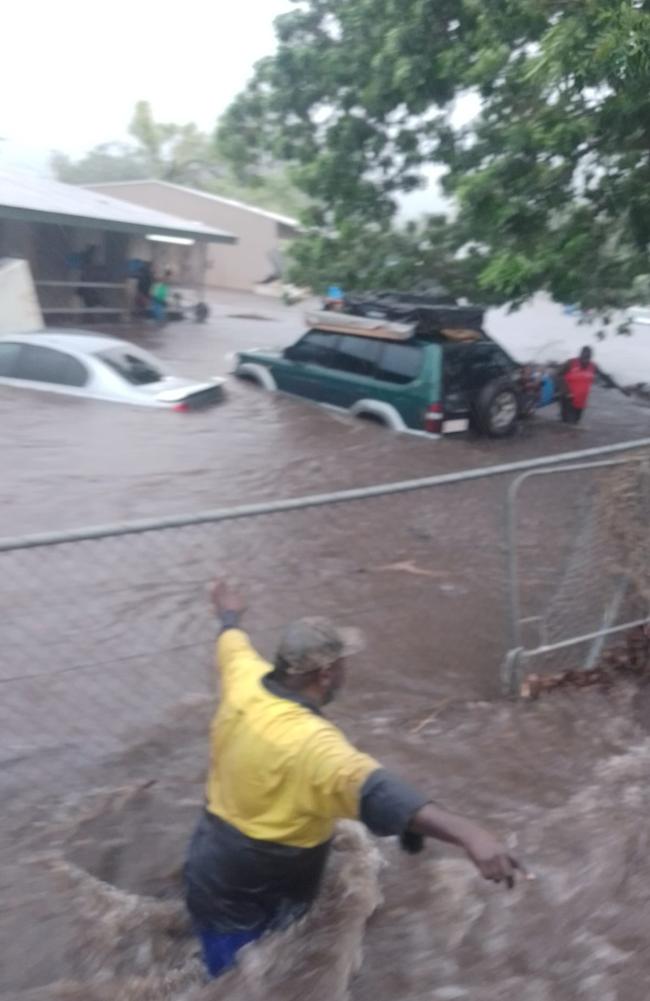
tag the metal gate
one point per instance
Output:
(578, 562)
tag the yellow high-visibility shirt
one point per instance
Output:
(278, 771)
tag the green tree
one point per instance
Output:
(106, 162)
(551, 179)
(363, 254)
(181, 154)
(178, 153)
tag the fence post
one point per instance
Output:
(513, 564)
(510, 671)
(511, 664)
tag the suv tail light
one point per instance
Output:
(181, 408)
(433, 418)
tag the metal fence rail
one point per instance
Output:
(61, 299)
(106, 629)
(138, 526)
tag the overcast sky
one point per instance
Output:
(71, 71)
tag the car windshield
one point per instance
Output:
(135, 368)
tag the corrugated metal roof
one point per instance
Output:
(233, 203)
(27, 196)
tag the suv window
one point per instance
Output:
(316, 348)
(134, 368)
(41, 364)
(400, 363)
(357, 355)
(9, 352)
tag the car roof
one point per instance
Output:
(68, 340)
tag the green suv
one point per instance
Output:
(433, 371)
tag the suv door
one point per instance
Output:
(354, 366)
(400, 380)
(306, 366)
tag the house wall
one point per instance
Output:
(238, 267)
(48, 249)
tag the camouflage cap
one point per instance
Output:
(311, 644)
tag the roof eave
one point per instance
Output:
(278, 217)
(112, 225)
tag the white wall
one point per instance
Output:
(19, 309)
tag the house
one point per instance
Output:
(56, 227)
(262, 236)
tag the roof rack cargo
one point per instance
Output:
(428, 320)
(362, 326)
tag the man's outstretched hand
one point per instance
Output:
(491, 858)
(227, 598)
(488, 854)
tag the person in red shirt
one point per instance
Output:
(576, 379)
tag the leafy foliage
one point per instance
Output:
(181, 154)
(365, 255)
(551, 178)
(106, 162)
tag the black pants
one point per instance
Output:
(569, 413)
(234, 883)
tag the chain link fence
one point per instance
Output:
(107, 632)
(579, 563)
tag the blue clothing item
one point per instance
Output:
(334, 292)
(158, 311)
(220, 948)
(546, 391)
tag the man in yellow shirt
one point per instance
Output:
(280, 777)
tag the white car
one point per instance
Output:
(91, 365)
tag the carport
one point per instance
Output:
(77, 240)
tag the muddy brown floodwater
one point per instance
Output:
(106, 694)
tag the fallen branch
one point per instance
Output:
(431, 717)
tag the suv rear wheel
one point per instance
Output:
(497, 408)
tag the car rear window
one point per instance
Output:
(135, 368)
(40, 364)
(9, 352)
(400, 363)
